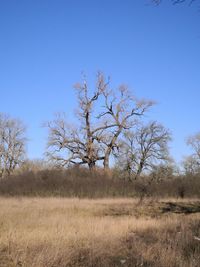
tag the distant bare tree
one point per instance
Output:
(33, 165)
(192, 163)
(12, 144)
(144, 148)
(194, 142)
(163, 171)
(100, 126)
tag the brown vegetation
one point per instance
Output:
(51, 232)
(82, 183)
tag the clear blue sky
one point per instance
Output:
(46, 44)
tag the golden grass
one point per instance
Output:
(44, 232)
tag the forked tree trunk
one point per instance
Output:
(106, 162)
(91, 165)
(109, 149)
(139, 171)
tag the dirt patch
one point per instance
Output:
(148, 208)
(180, 207)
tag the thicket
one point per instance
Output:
(82, 183)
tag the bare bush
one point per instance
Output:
(80, 182)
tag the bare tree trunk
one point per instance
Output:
(91, 165)
(110, 147)
(106, 161)
(139, 170)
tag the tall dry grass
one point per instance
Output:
(51, 232)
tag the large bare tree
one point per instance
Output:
(103, 115)
(122, 110)
(144, 148)
(80, 144)
(12, 144)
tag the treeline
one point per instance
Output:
(110, 128)
(82, 183)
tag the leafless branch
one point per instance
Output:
(12, 144)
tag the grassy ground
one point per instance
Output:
(51, 232)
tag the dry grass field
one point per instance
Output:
(51, 232)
